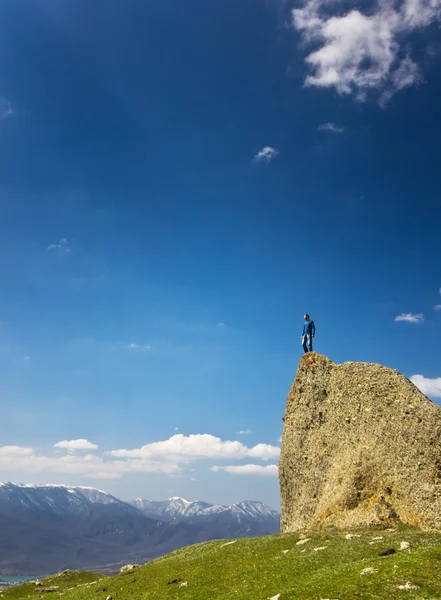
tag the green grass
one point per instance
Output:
(258, 569)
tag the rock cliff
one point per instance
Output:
(361, 445)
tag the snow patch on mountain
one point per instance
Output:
(55, 497)
(178, 509)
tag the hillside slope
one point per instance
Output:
(48, 528)
(366, 564)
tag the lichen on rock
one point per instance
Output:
(361, 445)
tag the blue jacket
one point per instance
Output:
(309, 328)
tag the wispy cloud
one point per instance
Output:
(74, 445)
(267, 154)
(134, 346)
(357, 52)
(437, 307)
(62, 246)
(430, 387)
(5, 109)
(243, 432)
(262, 471)
(410, 318)
(330, 127)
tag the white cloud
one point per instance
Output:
(357, 52)
(430, 387)
(262, 471)
(133, 346)
(73, 445)
(437, 307)
(410, 318)
(89, 465)
(181, 448)
(243, 432)
(62, 246)
(169, 457)
(14, 452)
(267, 154)
(330, 127)
(26, 358)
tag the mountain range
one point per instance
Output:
(48, 528)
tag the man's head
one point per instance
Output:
(306, 317)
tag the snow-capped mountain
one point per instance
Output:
(55, 498)
(48, 528)
(244, 518)
(179, 509)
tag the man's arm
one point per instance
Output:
(313, 329)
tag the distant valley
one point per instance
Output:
(48, 528)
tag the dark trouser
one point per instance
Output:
(307, 343)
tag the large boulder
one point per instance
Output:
(361, 445)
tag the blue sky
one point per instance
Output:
(178, 185)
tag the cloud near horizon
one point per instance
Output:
(181, 448)
(429, 387)
(74, 445)
(357, 52)
(169, 457)
(261, 471)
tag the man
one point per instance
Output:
(308, 333)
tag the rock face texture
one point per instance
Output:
(361, 446)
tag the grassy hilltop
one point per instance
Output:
(330, 565)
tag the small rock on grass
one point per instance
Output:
(285, 551)
(408, 586)
(228, 543)
(184, 584)
(128, 568)
(109, 598)
(404, 546)
(276, 597)
(300, 542)
(320, 548)
(368, 571)
(349, 536)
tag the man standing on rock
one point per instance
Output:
(308, 334)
